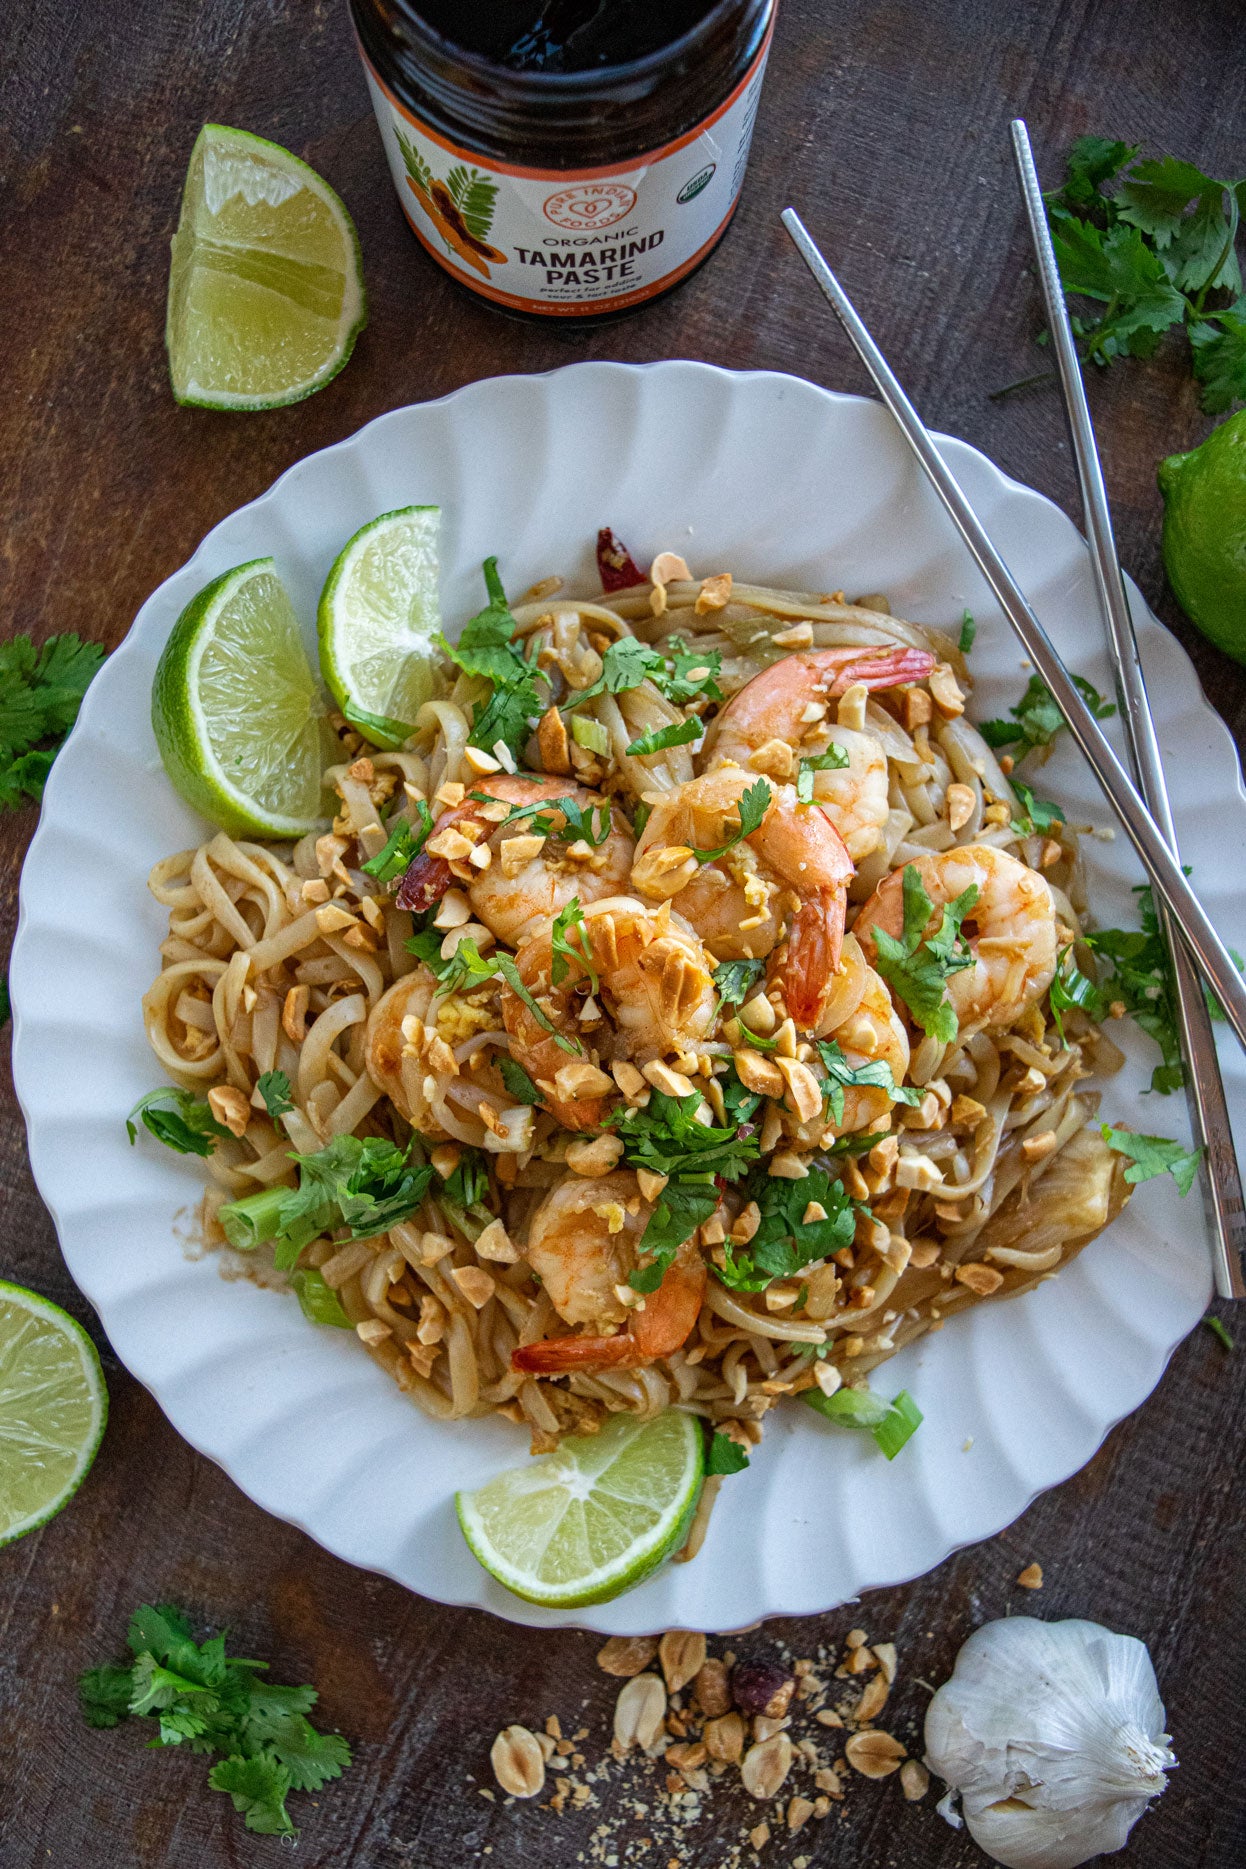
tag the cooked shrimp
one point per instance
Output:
(870, 1034)
(520, 891)
(656, 993)
(794, 864)
(386, 1047)
(1011, 930)
(784, 708)
(583, 1243)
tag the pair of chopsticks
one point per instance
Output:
(1143, 808)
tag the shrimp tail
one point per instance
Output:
(886, 668)
(813, 950)
(558, 1356)
(425, 882)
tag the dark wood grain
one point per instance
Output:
(884, 120)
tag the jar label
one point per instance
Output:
(566, 242)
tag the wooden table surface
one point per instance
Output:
(885, 122)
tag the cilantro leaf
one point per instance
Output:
(592, 825)
(1092, 161)
(1117, 267)
(735, 980)
(366, 1185)
(876, 1072)
(666, 1138)
(259, 1788)
(1141, 981)
(570, 945)
(506, 717)
(917, 966)
(1037, 718)
(833, 760)
(468, 967)
(274, 1087)
(785, 1241)
(680, 734)
(968, 631)
(725, 1455)
(188, 1126)
(201, 1699)
(891, 1423)
(517, 1081)
(403, 845)
(628, 662)
(318, 1301)
(1150, 1156)
(41, 691)
(486, 642)
(1038, 814)
(753, 807)
(1218, 347)
(1070, 988)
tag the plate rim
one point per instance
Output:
(24, 1023)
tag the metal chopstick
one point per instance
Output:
(1139, 826)
(1209, 1115)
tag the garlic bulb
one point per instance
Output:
(1052, 1736)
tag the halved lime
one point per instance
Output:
(53, 1406)
(377, 617)
(266, 291)
(593, 1519)
(237, 712)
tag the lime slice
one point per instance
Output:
(378, 613)
(53, 1406)
(593, 1519)
(237, 713)
(266, 291)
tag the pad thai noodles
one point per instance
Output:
(665, 1020)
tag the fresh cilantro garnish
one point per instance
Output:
(365, 1185)
(468, 1183)
(1141, 981)
(1038, 814)
(402, 847)
(487, 649)
(1153, 1155)
(785, 1241)
(753, 807)
(518, 1083)
(1219, 1331)
(425, 944)
(274, 1087)
(593, 825)
(207, 1701)
(680, 734)
(1070, 988)
(381, 729)
(876, 1073)
(1036, 720)
(179, 1119)
(1154, 243)
(724, 1455)
(918, 965)
(629, 662)
(735, 980)
(891, 1423)
(468, 967)
(968, 630)
(570, 945)
(666, 1139)
(41, 691)
(833, 760)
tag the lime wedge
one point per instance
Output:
(237, 713)
(266, 291)
(593, 1519)
(377, 617)
(53, 1406)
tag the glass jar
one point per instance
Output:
(575, 181)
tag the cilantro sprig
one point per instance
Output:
(725, 1456)
(1037, 814)
(487, 649)
(785, 1241)
(1153, 243)
(679, 677)
(592, 825)
(199, 1697)
(468, 967)
(41, 691)
(917, 965)
(666, 1139)
(365, 1185)
(1150, 1156)
(681, 733)
(1036, 719)
(735, 980)
(179, 1119)
(274, 1088)
(570, 945)
(753, 807)
(875, 1073)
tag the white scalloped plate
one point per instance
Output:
(779, 481)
